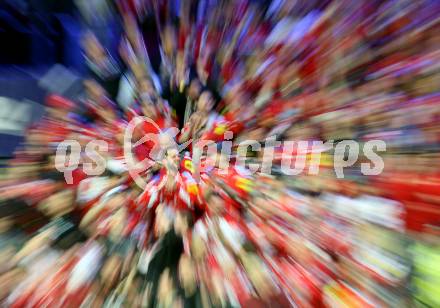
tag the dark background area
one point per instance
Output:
(35, 36)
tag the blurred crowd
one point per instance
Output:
(224, 236)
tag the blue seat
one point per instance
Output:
(72, 50)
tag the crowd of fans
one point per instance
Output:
(224, 236)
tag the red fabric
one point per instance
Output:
(57, 101)
(420, 215)
(55, 131)
(181, 38)
(228, 70)
(77, 176)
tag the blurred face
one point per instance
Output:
(57, 113)
(205, 102)
(173, 158)
(166, 141)
(216, 204)
(106, 114)
(186, 274)
(5, 224)
(110, 271)
(198, 247)
(145, 86)
(93, 48)
(163, 222)
(194, 89)
(138, 71)
(180, 223)
(116, 201)
(57, 204)
(256, 134)
(35, 138)
(94, 90)
(130, 28)
(148, 110)
(165, 288)
(169, 40)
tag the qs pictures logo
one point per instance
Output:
(143, 151)
(157, 143)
